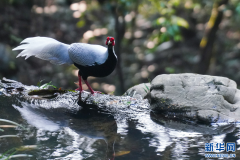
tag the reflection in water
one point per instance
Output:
(188, 138)
(186, 125)
(121, 126)
(79, 130)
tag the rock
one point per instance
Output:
(205, 97)
(141, 89)
(71, 101)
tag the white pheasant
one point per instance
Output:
(92, 60)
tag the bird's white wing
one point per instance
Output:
(87, 54)
(45, 48)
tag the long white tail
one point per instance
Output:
(44, 48)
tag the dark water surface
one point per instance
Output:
(122, 128)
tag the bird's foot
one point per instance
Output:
(92, 91)
(79, 89)
(80, 92)
(96, 92)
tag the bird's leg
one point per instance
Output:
(90, 88)
(80, 84)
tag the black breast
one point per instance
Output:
(102, 70)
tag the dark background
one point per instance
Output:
(152, 37)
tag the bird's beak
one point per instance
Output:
(109, 42)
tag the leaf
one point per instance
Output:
(162, 4)
(145, 90)
(170, 31)
(164, 37)
(175, 28)
(238, 8)
(53, 86)
(11, 155)
(111, 92)
(15, 38)
(39, 83)
(149, 80)
(120, 153)
(8, 121)
(72, 90)
(177, 38)
(146, 86)
(161, 20)
(175, 2)
(80, 23)
(8, 126)
(179, 21)
(26, 148)
(170, 70)
(47, 85)
(6, 153)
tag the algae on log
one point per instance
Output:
(46, 92)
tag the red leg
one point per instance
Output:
(90, 88)
(80, 84)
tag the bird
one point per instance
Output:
(90, 59)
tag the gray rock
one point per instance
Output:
(141, 89)
(205, 97)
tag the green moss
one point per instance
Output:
(46, 92)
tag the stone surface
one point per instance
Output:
(141, 89)
(206, 97)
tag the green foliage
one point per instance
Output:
(170, 70)
(71, 90)
(147, 88)
(111, 93)
(168, 23)
(80, 23)
(46, 85)
(149, 80)
(11, 151)
(11, 154)
(15, 38)
(238, 8)
(8, 121)
(39, 83)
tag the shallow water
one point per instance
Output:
(120, 128)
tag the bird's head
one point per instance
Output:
(110, 41)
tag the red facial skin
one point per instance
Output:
(107, 40)
(111, 39)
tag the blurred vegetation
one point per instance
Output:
(152, 37)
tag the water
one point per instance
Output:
(61, 127)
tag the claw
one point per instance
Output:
(97, 92)
(78, 89)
